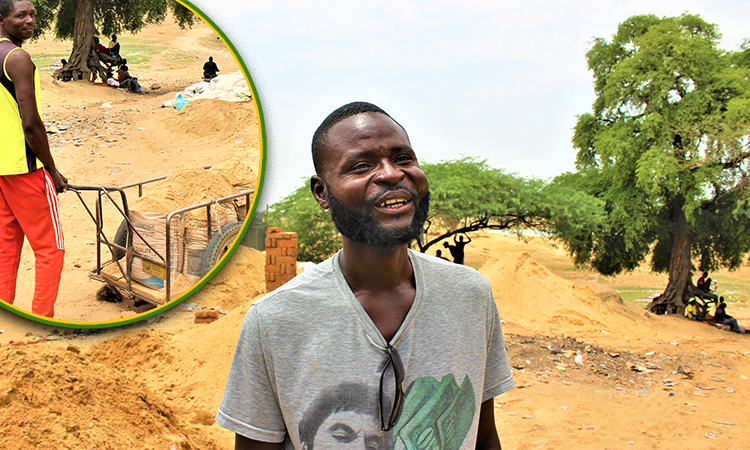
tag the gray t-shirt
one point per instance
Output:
(307, 367)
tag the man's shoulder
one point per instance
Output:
(298, 291)
(15, 54)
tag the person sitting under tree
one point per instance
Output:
(114, 47)
(128, 82)
(103, 53)
(722, 318)
(704, 283)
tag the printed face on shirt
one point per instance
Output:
(349, 430)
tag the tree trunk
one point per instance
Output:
(680, 288)
(83, 63)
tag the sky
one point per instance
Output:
(499, 80)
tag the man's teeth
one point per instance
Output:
(393, 203)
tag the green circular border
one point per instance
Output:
(256, 197)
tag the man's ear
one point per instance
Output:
(319, 191)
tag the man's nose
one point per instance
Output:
(389, 173)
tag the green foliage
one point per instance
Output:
(317, 238)
(58, 16)
(466, 195)
(469, 188)
(668, 138)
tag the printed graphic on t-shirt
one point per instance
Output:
(344, 417)
(436, 415)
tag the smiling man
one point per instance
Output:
(421, 335)
(29, 179)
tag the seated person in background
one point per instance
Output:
(722, 318)
(114, 47)
(103, 53)
(99, 47)
(704, 283)
(128, 82)
(111, 80)
(123, 74)
(691, 311)
(210, 69)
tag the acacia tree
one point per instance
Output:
(466, 195)
(79, 20)
(667, 150)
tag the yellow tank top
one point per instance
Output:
(16, 157)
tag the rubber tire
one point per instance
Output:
(121, 238)
(218, 245)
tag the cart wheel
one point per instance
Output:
(107, 293)
(219, 244)
(121, 239)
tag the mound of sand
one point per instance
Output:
(239, 282)
(53, 398)
(199, 357)
(216, 118)
(529, 294)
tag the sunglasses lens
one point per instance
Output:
(391, 379)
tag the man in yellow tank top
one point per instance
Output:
(29, 179)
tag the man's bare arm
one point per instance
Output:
(243, 443)
(21, 71)
(487, 438)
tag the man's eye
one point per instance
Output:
(360, 167)
(404, 159)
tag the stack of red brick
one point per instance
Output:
(281, 257)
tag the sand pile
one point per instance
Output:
(53, 398)
(529, 294)
(241, 280)
(189, 368)
(219, 119)
(199, 357)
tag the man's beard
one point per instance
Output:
(363, 229)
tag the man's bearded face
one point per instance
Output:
(364, 229)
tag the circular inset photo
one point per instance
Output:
(150, 129)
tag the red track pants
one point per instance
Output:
(28, 206)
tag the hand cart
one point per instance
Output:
(117, 274)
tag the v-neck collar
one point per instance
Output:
(372, 331)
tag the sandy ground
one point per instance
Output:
(108, 137)
(645, 381)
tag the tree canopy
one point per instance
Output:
(466, 195)
(82, 20)
(58, 16)
(666, 148)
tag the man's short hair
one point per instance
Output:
(355, 397)
(320, 137)
(6, 6)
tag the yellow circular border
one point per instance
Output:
(235, 244)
